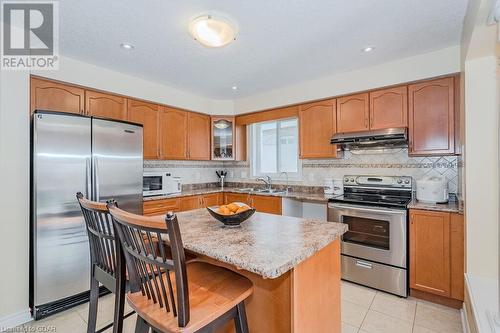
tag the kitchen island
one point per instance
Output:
(293, 263)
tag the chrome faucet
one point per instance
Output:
(266, 180)
(287, 188)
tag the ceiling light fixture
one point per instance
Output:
(368, 49)
(127, 46)
(234, 87)
(212, 31)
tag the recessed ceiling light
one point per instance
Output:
(212, 31)
(368, 49)
(127, 46)
(234, 87)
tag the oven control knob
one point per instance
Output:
(346, 180)
(400, 181)
(352, 180)
(407, 182)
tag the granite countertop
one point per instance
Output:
(265, 244)
(453, 206)
(292, 194)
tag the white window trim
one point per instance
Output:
(280, 177)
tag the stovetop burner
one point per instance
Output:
(383, 200)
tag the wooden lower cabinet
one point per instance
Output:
(437, 254)
(162, 206)
(214, 199)
(237, 197)
(158, 207)
(189, 203)
(262, 203)
(267, 204)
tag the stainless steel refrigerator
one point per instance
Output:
(72, 153)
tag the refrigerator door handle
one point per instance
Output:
(96, 179)
(88, 179)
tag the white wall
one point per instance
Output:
(85, 74)
(14, 195)
(481, 165)
(441, 62)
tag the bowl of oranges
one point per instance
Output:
(232, 214)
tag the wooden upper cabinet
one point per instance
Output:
(173, 125)
(103, 105)
(317, 124)
(353, 113)
(430, 252)
(431, 117)
(198, 136)
(52, 96)
(146, 114)
(389, 108)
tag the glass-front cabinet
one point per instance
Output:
(223, 134)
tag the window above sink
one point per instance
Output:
(274, 149)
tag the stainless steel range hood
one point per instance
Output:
(385, 138)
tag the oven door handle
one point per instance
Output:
(369, 210)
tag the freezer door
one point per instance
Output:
(117, 163)
(61, 167)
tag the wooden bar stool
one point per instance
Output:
(104, 255)
(168, 294)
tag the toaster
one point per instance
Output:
(432, 190)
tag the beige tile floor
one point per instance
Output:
(368, 311)
(363, 311)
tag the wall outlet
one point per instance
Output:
(311, 177)
(244, 174)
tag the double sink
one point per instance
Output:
(261, 190)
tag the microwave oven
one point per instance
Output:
(160, 183)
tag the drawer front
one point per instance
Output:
(157, 207)
(390, 279)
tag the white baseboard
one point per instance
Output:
(465, 321)
(15, 319)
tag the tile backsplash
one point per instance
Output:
(191, 172)
(388, 164)
(315, 171)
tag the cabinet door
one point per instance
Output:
(198, 136)
(431, 117)
(52, 96)
(173, 134)
(352, 113)
(317, 124)
(430, 252)
(189, 203)
(237, 197)
(267, 204)
(214, 199)
(223, 136)
(389, 108)
(147, 115)
(105, 105)
(159, 207)
(457, 253)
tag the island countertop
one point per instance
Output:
(266, 244)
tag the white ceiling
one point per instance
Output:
(280, 42)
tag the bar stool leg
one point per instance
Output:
(141, 326)
(94, 298)
(240, 320)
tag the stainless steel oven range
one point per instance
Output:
(374, 250)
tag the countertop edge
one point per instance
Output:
(292, 195)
